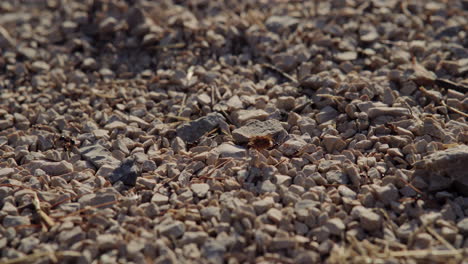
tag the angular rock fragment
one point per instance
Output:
(6, 41)
(57, 168)
(6, 172)
(292, 146)
(108, 25)
(135, 17)
(445, 169)
(159, 199)
(346, 56)
(106, 241)
(286, 102)
(326, 114)
(274, 215)
(71, 236)
(369, 36)
(227, 150)
(391, 111)
(312, 82)
(387, 193)
(262, 205)
(336, 176)
(370, 221)
(50, 167)
(280, 23)
(174, 229)
(463, 226)
(332, 143)
(271, 128)
(194, 130)
(421, 75)
(242, 116)
(127, 172)
(98, 155)
(200, 189)
(12, 221)
(210, 212)
(335, 226)
(197, 237)
(40, 66)
(98, 199)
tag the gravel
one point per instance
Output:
(444, 169)
(271, 128)
(233, 131)
(193, 130)
(127, 173)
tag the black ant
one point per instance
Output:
(67, 142)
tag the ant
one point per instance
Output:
(67, 142)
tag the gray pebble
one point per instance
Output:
(463, 226)
(280, 23)
(335, 226)
(127, 172)
(336, 176)
(326, 114)
(387, 194)
(6, 41)
(259, 128)
(12, 221)
(444, 168)
(95, 199)
(174, 229)
(27, 244)
(194, 130)
(200, 189)
(159, 199)
(70, 237)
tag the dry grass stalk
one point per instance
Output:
(42, 215)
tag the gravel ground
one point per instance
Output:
(230, 131)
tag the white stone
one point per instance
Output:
(159, 199)
(335, 226)
(200, 189)
(275, 215)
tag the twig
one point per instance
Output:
(453, 109)
(301, 107)
(208, 174)
(166, 181)
(182, 105)
(213, 87)
(43, 216)
(210, 132)
(440, 101)
(282, 73)
(447, 84)
(355, 243)
(227, 116)
(280, 162)
(181, 118)
(391, 243)
(440, 238)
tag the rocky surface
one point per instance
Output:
(233, 131)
